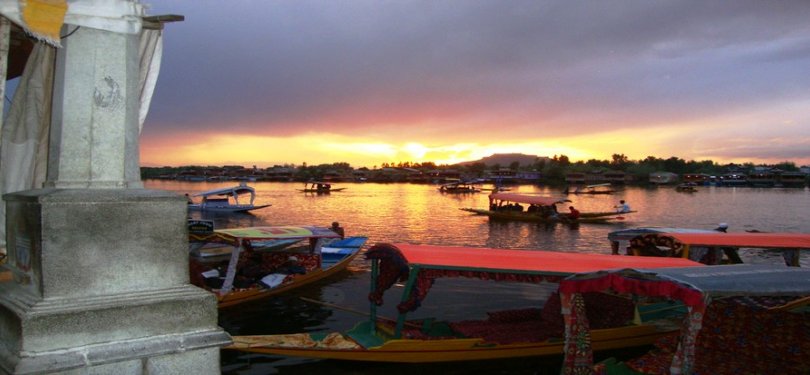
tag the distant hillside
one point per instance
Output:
(504, 160)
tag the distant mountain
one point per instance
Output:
(504, 160)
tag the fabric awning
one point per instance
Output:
(494, 260)
(526, 199)
(745, 239)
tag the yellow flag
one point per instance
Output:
(44, 18)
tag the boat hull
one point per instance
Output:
(531, 217)
(450, 350)
(232, 208)
(322, 191)
(237, 297)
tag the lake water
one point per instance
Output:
(421, 214)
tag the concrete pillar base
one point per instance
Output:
(100, 285)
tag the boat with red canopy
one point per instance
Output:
(509, 206)
(712, 247)
(530, 331)
(740, 319)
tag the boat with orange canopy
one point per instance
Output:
(712, 247)
(530, 331)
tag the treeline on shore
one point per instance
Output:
(548, 170)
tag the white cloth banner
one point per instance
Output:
(24, 136)
(151, 53)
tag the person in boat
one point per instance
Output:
(338, 229)
(552, 209)
(249, 268)
(188, 199)
(622, 207)
(731, 253)
(291, 267)
(573, 215)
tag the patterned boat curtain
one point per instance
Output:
(684, 360)
(578, 353)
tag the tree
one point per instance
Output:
(619, 161)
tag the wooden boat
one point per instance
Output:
(712, 247)
(226, 200)
(274, 265)
(319, 188)
(741, 319)
(688, 187)
(505, 334)
(620, 239)
(459, 188)
(507, 206)
(591, 189)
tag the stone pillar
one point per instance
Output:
(100, 265)
(94, 127)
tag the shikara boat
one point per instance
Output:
(739, 319)
(591, 189)
(533, 331)
(319, 188)
(687, 187)
(459, 188)
(262, 262)
(226, 200)
(620, 239)
(509, 206)
(712, 247)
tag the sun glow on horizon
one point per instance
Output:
(312, 148)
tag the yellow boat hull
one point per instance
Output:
(449, 350)
(237, 297)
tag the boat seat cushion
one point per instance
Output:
(271, 261)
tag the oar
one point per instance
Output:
(351, 310)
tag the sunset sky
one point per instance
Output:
(258, 82)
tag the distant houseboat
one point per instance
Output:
(733, 179)
(792, 179)
(663, 178)
(697, 178)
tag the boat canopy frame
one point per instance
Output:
(790, 244)
(526, 199)
(233, 191)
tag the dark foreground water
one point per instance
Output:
(420, 214)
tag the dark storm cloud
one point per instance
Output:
(565, 66)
